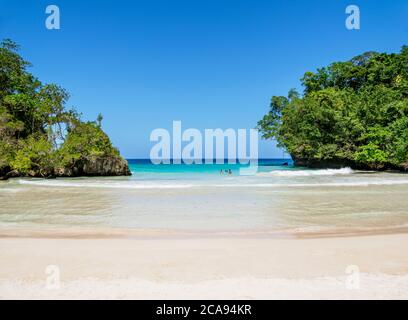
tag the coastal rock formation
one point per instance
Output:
(321, 164)
(350, 114)
(96, 166)
(343, 163)
(40, 136)
(108, 166)
(3, 172)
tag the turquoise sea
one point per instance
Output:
(279, 198)
(145, 170)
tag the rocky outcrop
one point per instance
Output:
(96, 166)
(93, 166)
(342, 163)
(321, 164)
(4, 173)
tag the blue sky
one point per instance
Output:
(208, 63)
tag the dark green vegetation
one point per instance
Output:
(39, 136)
(352, 113)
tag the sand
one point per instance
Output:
(205, 268)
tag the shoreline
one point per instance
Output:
(218, 268)
(207, 243)
(152, 234)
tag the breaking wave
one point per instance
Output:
(103, 184)
(307, 173)
(201, 184)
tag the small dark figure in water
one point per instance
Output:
(229, 171)
(285, 164)
(221, 172)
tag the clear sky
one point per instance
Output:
(208, 63)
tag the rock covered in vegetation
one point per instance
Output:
(96, 166)
(39, 136)
(352, 113)
(344, 163)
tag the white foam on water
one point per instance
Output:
(166, 185)
(109, 185)
(307, 173)
(302, 185)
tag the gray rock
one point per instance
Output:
(341, 163)
(96, 166)
(93, 166)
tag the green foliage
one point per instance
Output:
(35, 154)
(86, 140)
(399, 136)
(38, 134)
(354, 111)
(372, 155)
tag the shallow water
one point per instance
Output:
(198, 198)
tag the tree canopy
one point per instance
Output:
(353, 112)
(39, 135)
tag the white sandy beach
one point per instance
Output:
(280, 234)
(205, 268)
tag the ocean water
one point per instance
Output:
(279, 198)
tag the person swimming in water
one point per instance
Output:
(229, 172)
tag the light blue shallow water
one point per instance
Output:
(143, 169)
(199, 198)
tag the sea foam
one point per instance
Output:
(200, 184)
(108, 185)
(307, 173)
